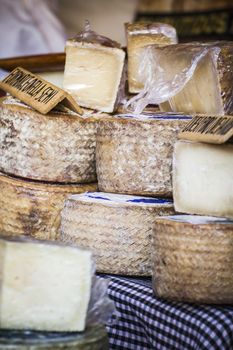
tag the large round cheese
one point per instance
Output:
(117, 228)
(33, 208)
(193, 259)
(134, 154)
(58, 147)
(93, 338)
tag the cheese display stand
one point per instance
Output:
(127, 267)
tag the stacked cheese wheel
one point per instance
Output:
(43, 159)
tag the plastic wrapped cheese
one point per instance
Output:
(93, 70)
(193, 259)
(192, 77)
(48, 286)
(57, 147)
(93, 338)
(134, 153)
(138, 36)
(203, 178)
(117, 228)
(33, 208)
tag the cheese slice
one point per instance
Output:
(203, 178)
(140, 35)
(193, 259)
(58, 147)
(134, 153)
(44, 286)
(201, 76)
(33, 208)
(94, 338)
(117, 228)
(93, 74)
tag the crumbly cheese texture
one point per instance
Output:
(44, 287)
(134, 156)
(203, 178)
(138, 36)
(193, 259)
(33, 208)
(58, 147)
(116, 228)
(210, 88)
(93, 74)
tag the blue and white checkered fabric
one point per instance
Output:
(146, 322)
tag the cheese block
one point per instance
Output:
(196, 78)
(93, 70)
(203, 178)
(117, 228)
(134, 153)
(58, 147)
(93, 338)
(193, 259)
(33, 208)
(138, 36)
(44, 286)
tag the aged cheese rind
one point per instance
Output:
(203, 178)
(140, 35)
(57, 147)
(193, 259)
(210, 88)
(33, 208)
(93, 74)
(116, 228)
(134, 154)
(93, 338)
(44, 286)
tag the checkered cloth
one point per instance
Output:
(146, 322)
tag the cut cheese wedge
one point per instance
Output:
(117, 228)
(193, 259)
(58, 147)
(33, 208)
(203, 178)
(134, 153)
(44, 286)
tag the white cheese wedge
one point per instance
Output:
(134, 153)
(117, 228)
(44, 286)
(33, 208)
(57, 147)
(56, 78)
(193, 259)
(140, 35)
(93, 74)
(203, 178)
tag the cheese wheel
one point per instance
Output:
(193, 259)
(58, 147)
(134, 154)
(116, 228)
(33, 208)
(93, 338)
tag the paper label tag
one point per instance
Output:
(211, 129)
(36, 92)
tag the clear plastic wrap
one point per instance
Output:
(193, 78)
(140, 35)
(94, 70)
(52, 287)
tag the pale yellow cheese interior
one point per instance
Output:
(92, 75)
(44, 287)
(203, 179)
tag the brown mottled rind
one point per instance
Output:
(135, 156)
(32, 208)
(193, 263)
(56, 147)
(119, 235)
